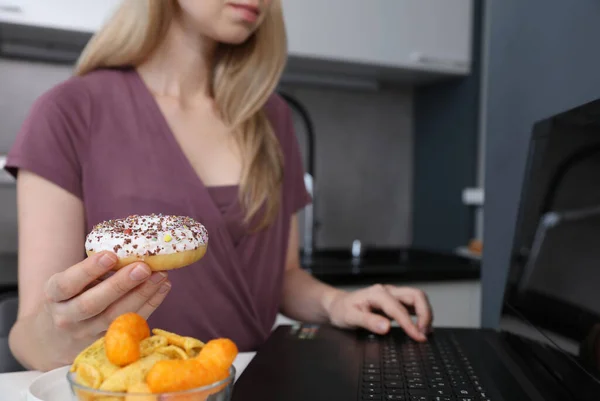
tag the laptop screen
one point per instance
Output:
(554, 278)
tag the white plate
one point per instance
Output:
(51, 386)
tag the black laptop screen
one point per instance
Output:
(554, 277)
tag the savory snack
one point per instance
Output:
(162, 242)
(129, 360)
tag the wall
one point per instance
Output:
(20, 84)
(363, 160)
(540, 61)
(446, 143)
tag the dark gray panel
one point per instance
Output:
(542, 60)
(446, 139)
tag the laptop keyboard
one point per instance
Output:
(399, 369)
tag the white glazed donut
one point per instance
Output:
(162, 242)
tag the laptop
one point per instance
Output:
(547, 345)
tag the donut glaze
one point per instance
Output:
(148, 237)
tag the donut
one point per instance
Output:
(162, 242)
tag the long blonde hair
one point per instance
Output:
(244, 76)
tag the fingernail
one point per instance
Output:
(164, 288)
(107, 260)
(157, 277)
(382, 326)
(140, 272)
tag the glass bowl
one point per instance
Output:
(219, 391)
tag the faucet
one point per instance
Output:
(309, 177)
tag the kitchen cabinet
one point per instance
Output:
(429, 35)
(454, 303)
(374, 39)
(70, 15)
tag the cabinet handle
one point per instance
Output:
(11, 8)
(433, 60)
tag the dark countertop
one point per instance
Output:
(8, 272)
(337, 267)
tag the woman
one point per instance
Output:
(172, 111)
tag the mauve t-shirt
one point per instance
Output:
(103, 138)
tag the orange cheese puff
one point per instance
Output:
(132, 323)
(121, 348)
(178, 375)
(218, 355)
(123, 337)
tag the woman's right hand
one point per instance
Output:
(81, 301)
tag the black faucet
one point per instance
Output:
(309, 178)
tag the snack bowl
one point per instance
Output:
(218, 391)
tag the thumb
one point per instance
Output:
(369, 321)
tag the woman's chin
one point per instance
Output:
(235, 35)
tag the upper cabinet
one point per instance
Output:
(428, 35)
(70, 15)
(413, 40)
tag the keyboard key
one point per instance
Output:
(371, 397)
(372, 384)
(441, 398)
(392, 372)
(394, 384)
(372, 378)
(416, 385)
(441, 392)
(418, 398)
(463, 392)
(371, 371)
(417, 392)
(393, 377)
(371, 390)
(396, 391)
(395, 397)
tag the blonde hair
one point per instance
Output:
(244, 76)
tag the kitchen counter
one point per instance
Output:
(8, 272)
(338, 267)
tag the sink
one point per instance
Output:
(388, 262)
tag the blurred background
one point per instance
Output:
(407, 113)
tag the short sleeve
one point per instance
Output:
(294, 171)
(53, 136)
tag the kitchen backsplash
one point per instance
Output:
(363, 155)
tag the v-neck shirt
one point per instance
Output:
(103, 138)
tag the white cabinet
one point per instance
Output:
(433, 35)
(75, 15)
(372, 38)
(454, 303)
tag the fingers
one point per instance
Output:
(140, 297)
(66, 285)
(95, 300)
(150, 305)
(417, 299)
(383, 300)
(143, 300)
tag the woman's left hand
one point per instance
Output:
(357, 309)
